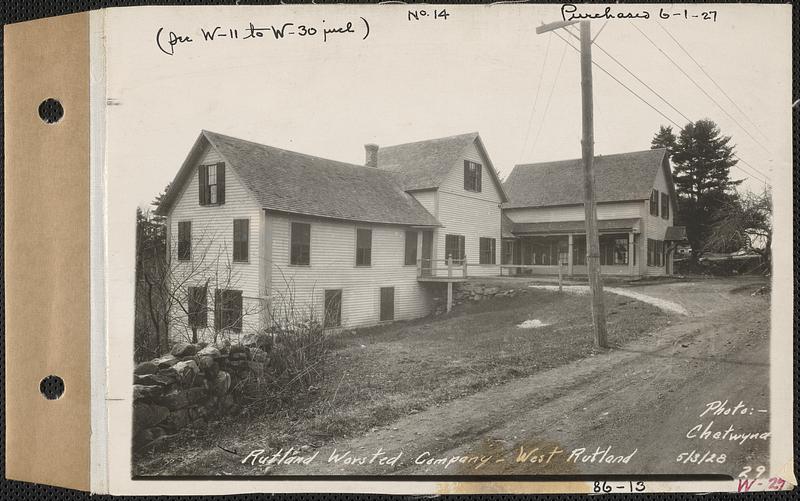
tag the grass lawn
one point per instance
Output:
(379, 374)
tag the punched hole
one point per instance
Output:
(51, 111)
(52, 387)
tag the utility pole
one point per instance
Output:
(590, 210)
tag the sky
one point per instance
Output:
(480, 68)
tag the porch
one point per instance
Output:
(444, 271)
(560, 247)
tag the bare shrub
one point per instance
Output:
(297, 350)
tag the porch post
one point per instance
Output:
(630, 253)
(449, 296)
(420, 263)
(569, 256)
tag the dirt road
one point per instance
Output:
(639, 409)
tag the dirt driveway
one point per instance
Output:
(646, 397)
(634, 409)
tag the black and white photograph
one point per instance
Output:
(451, 242)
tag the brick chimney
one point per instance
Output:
(372, 155)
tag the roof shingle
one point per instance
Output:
(291, 182)
(424, 164)
(618, 177)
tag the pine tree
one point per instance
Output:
(664, 138)
(702, 159)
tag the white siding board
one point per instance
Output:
(468, 213)
(333, 267)
(656, 226)
(212, 229)
(616, 210)
(427, 198)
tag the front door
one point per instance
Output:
(427, 252)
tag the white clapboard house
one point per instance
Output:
(257, 233)
(544, 220)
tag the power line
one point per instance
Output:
(699, 87)
(710, 78)
(661, 113)
(536, 99)
(639, 79)
(673, 122)
(549, 97)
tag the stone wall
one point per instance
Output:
(476, 291)
(192, 385)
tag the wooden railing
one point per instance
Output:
(450, 268)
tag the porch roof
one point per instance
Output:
(561, 227)
(676, 233)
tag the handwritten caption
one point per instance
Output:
(531, 455)
(167, 41)
(571, 12)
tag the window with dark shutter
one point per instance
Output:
(487, 248)
(654, 203)
(241, 240)
(202, 177)
(333, 308)
(212, 184)
(411, 248)
(228, 310)
(665, 206)
(387, 304)
(300, 252)
(454, 247)
(655, 252)
(220, 183)
(184, 240)
(363, 247)
(472, 176)
(198, 312)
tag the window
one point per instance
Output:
(549, 251)
(241, 240)
(655, 252)
(508, 252)
(579, 250)
(488, 248)
(411, 248)
(454, 247)
(212, 184)
(198, 313)
(665, 206)
(654, 203)
(301, 244)
(472, 176)
(387, 303)
(333, 308)
(613, 250)
(363, 247)
(184, 240)
(228, 310)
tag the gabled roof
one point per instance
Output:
(425, 164)
(618, 177)
(291, 182)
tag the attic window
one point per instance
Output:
(472, 176)
(212, 184)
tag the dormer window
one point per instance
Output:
(212, 184)
(472, 176)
